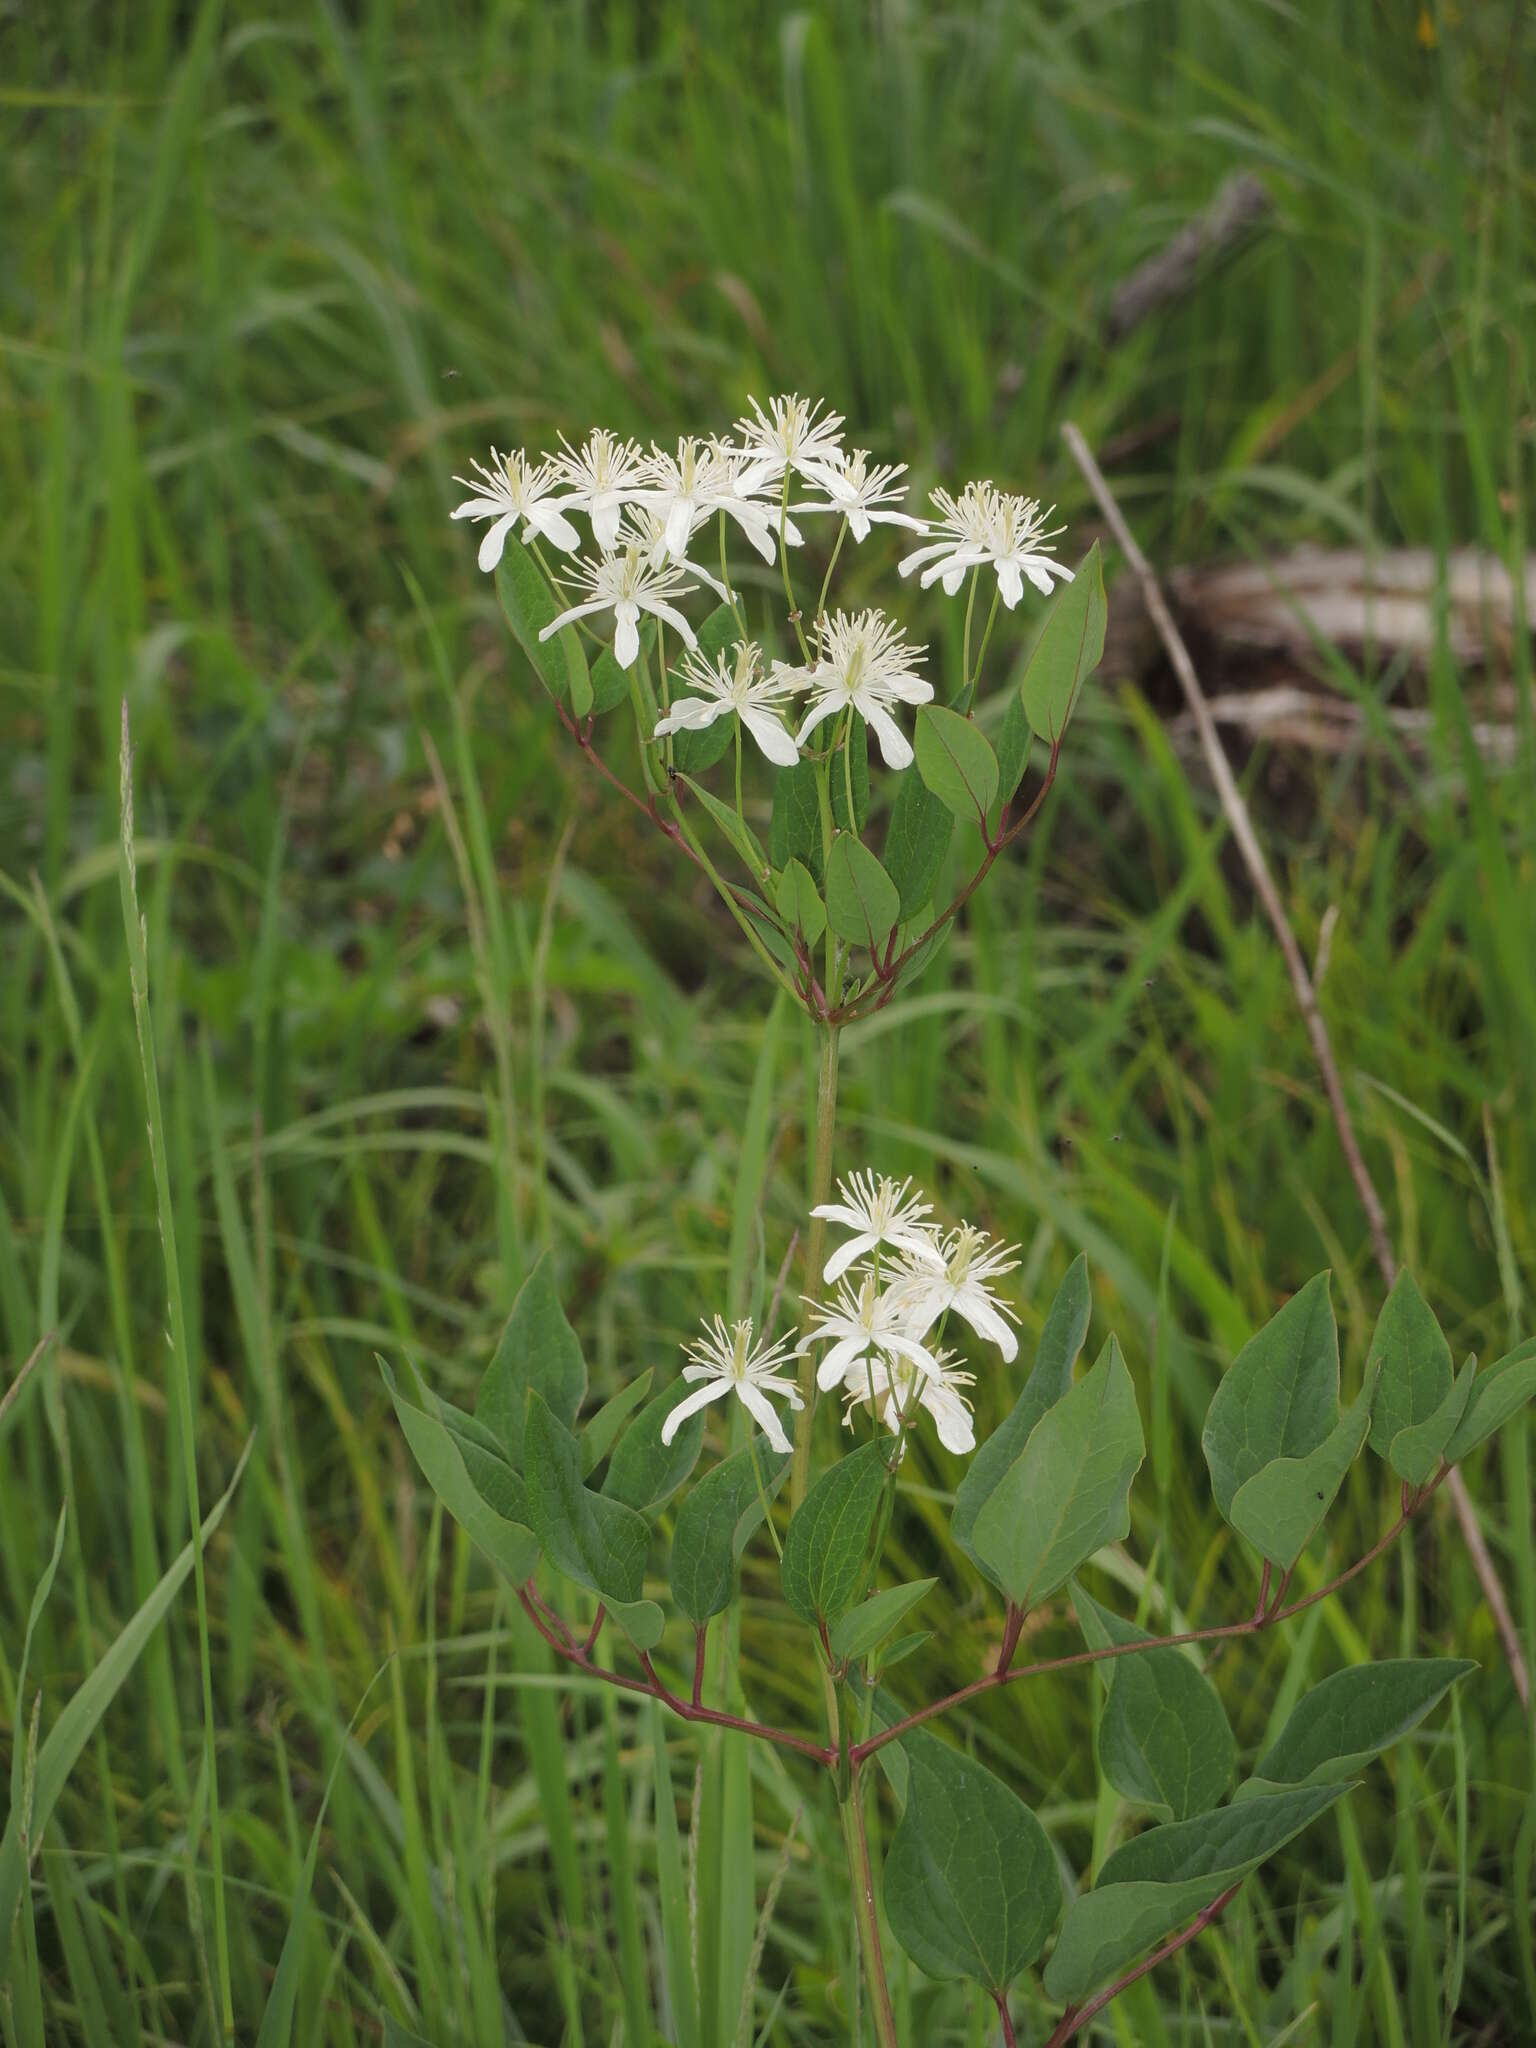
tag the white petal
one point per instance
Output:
(673, 617)
(778, 745)
(577, 611)
(836, 1212)
(1010, 583)
(984, 1319)
(626, 634)
(858, 523)
(953, 577)
(845, 1255)
(478, 508)
(494, 539)
(919, 555)
(827, 708)
(679, 525)
(691, 714)
(553, 524)
(699, 1398)
(837, 1361)
(957, 1430)
(894, 750)
(762, 1410)
(605, 522)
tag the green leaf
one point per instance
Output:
(1068, 1492)
(904, 1647)
(578, 680)
(597, 1437)
(837, 779)
(1163, 1736)
(956, 761)
(1014, 742)
(1164, 1877)
(610, 683)
(1280, 1508)
(510, 1545)
(1351, 1717)
(794, 832)
(799, 902)
(736, 830)
(485, 1461)
(1070, 648)
(1279, 1398)
(712, 1528)
(528, 606)
(537, 1348)
(1496, 1394)
(1416, 1453)
(1061, 1339)
(865, 1627)
(971, 1883)
(1412, 1365)
(643, 1472)
(80, 1717)
(862, 904)
(916, 841)
(599, 1543)
(824, 1551)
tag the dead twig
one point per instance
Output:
(1236, 812)
(1241, 202)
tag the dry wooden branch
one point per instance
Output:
(1236, 812)
(1240, 203)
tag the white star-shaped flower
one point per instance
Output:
(793, 433)
(741, 488)
(878, 1212)
(861, 1326)
(899, 1389)
(969, 1261)
(600, 478)
(864, 662)
(643, 523)
(514, 489)
(725, 1361)
(735, 685)
(862, 495)
(988, 527)
(627, 585)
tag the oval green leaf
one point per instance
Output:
(599, 1543)
(1070, 648)
(1164, 1739)
(825, 1548)
(956, 761)
(712, 1528)
(537, 1348)
(862, 904)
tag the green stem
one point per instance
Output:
(965, 652)
(762, 1491)
(826, 581)
(726, 897)
(789, 590)
(981, 652)
(821, 1183)
(741, 818)
(853, 816)
(861, 1876)
(730, 588)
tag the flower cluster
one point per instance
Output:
(645, 508)
(898, 1277)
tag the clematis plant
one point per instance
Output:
(855, 885)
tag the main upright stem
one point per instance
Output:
(821, 1186)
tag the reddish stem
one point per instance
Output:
(1010, 2039)
(651, 1687)
(595, 1630)
(1077, 2016)
(1251, 1626)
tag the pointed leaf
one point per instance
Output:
(643, 1472)
(1413, 1363)
(1061, 1339)
(824, 1551)
(610, 683)
(956, 761)
(971, 1883)
(865, 1627)
(1163, 1736)
(862, 904)
(1160, 1880)
(1279, 1398)
(1496, 1395)
(739, 833)
(597, 1437)
(528, 606)
(1013, 745)
(510, 1545)
(1280, 1508)
(1414, 1454)
(1067, 1494)
(1070, 648)
(599, 1543)
(537, 1348)
(799, 902)
(794, 832)
(1338, 1726)
(916, 841)
(712, 1528)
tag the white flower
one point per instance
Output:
(644, 523)
(865, 663)
(862, 495)
(869, 1322)
(735, 686)
(601, 478)
(987, 526)
(794, 433)
(969, 1261)
(679, 490)
(878, 1212)
(627, 585)
(904, 1387)
(964, 527)
(726, 1361)
(513, 489)
(737, 489)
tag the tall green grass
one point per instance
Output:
(272, 276)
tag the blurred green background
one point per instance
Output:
(272, 274)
